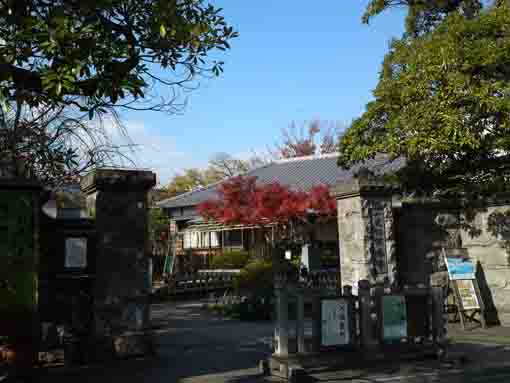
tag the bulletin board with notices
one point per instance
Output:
(336, 322)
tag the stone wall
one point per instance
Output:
(424, 228)
(494, 267)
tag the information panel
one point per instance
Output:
(76, 253)
(467, 294)
(335, 322)
(459, 268)
(394, 316)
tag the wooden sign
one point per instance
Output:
(467, 294)
(394, 317)
(335, 329)
(468, 299)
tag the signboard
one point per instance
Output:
(76, 253)
(459, 268)
(394, 317)
(335, 322)
(378, 237)
(467, 294)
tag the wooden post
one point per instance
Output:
(365, 320)
(378, 297)
(282, 322)
(300, 322)
(437, 314)
(316, 322)
(480, 303)
(347, 294)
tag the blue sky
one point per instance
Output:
(294, 61)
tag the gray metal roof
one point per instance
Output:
(300, 173)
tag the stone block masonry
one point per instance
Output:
(366, 232)
(118, 199)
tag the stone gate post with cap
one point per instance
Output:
(366, 231)
(118, 199)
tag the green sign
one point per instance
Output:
(394, 317)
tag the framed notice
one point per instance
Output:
(76, 253)
(394, 317)
(467, 294)
(335, 330)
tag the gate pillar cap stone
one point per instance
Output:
(111, 178)
(20, 183)
(364, 182)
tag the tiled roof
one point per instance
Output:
(300, 173)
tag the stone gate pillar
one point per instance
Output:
(366, 231)
(119, 202)
(20, 201)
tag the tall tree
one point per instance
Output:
(105, 52)
(424, 15)
(442, 102)
(315, 137)
(92, 56)
(220, 167)
(227, 165)
(190, 180)
(57, 146)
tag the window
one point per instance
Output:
(204, 239)
(215, 240)
(233, 238)
(200, 240)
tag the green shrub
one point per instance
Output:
(249, 310)
(256, 279)
(230, 260)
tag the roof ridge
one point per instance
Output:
(214, 184)
(178, 196)
(306, 158)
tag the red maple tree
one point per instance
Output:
(241, 201)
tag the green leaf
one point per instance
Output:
(162, 31)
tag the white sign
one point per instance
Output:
(288, 255)
(335, 322)
(467, 294)
(76, 253)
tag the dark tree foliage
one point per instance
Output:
(99, 53)
(442, 102)
(424, 15)
(63, 62)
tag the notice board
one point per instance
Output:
(335, 329)
(394, 317)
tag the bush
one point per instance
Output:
(256, 279)
(249, 310)
(231, 260)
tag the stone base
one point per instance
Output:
(131, 345)
(504, 319)
(295, 366)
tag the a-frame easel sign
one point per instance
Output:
(461, 273)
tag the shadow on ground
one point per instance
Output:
(194, 347)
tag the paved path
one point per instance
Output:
(195, 347)
(476, 334)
